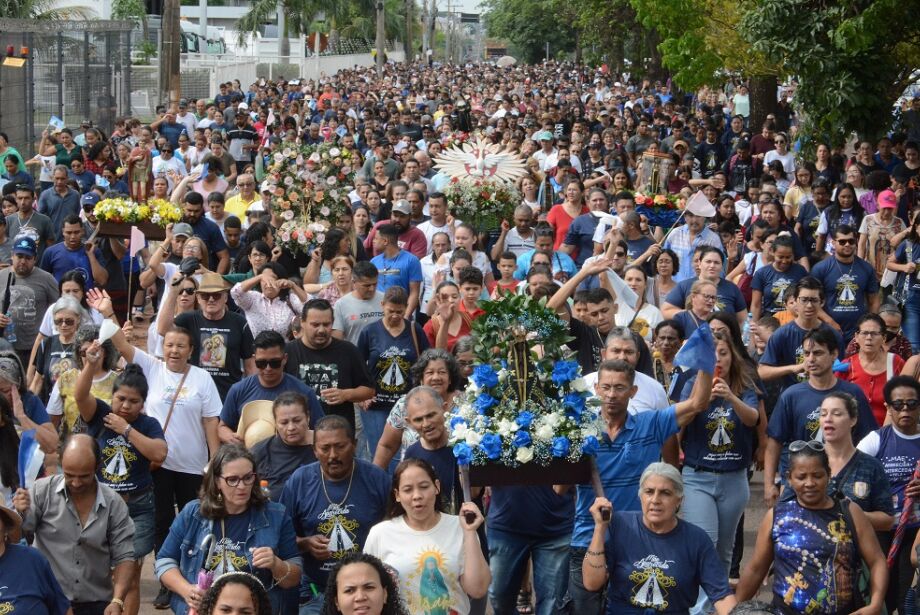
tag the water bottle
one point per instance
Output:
(263, 485)
(10, 332)
(746, 331)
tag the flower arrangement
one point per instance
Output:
(312, 182)
(660, 209)
(122, 210)
(527, 401)
(298, 235)
(482, 203)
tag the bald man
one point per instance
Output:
(83, 528)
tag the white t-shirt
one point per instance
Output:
(431, 230)
(429, 564)
(645, 322)
(651, 395)
(47, 168)
(788, 160)
(198, 399)
(606, 222)
(517, 244)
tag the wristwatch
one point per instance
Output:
(125, 434)
(119, 602)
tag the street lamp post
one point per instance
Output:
(381, 36)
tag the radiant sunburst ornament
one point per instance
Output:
(480, 160)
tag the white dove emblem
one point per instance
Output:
(480, 160)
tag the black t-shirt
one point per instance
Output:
(220, 346)
(587, 345)
(276, 461)
(51, 360)
(337, 366)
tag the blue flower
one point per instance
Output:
(590, 446)
(564, 372)
(574, 400)
(561, 446)
(484, 402)
(491, 445)
(524, 419)
(521, 438)
(455, 421)
(484, 376)
(463, 453)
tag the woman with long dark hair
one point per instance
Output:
(236, 592)
(362, 585)
(435, 555)
(844, 210)
(335, 243)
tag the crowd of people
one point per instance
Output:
(278, 438)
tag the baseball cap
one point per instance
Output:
(544, 135)
(243, 106)
(24, 245)
(183, 229)
(680, 143)
(267, 186)
(887, 199)
(89, 200)
(402, 206)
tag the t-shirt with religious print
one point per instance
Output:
(389, 360)
(28, 584)
(344, 511)
(123, 467)
(716, 439)
(220, 346)
(337, 366)
(773, 285)
(785, 348)
(230, 552)
(51, 360)
(660, 573)
(428, 564)
(846, 287)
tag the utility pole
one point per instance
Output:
(170, 84)
(203, 19)
(410, 21)
(284, 43)
(448, 31)
(381, 37)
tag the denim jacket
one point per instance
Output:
(270, 526)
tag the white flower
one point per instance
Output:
(301, 238)
(503, 374)
(287, 152)
(285, 236)
(580, 385)
(506, 427)
(473, 438)
(524, 454)
(589, 430)
(545, 432)
(324, 211)
(320, 237)
(314, 157)
(288, 215)
(288, 181)
(334, 152)
(554, 419)
(331, 180)
(472, 387)
(346, 169)
(334, 194)
(279, 157)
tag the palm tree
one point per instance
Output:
(297, 17)
(43, 10)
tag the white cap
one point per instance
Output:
(267, 186)
(243, 106)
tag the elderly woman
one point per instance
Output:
(435, 368)
(62, 407)
(248, 534)
(701, 302)
(56, 354)
(652, 560)
(29, 583)
(872, 365)
(816, 545)
(269, 300)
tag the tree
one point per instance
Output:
(853, 59)
(296, 19)
(44, 10)
(529, 24)
(131, 10)
(701, 41)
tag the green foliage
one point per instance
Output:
(493, 332)
(852, 59)
(701, 40)
(43, 10)
(131, 10)
(529, 24)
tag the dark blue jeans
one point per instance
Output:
(508, 555)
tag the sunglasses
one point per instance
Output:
(272, 363)
(780, 142)
(65, 321)
(799, 445)
(900, 405)
(187, 291)
(846, 242)
(210, 296)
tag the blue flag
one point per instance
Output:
(31, 459)
(699, 352)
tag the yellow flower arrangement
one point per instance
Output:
(124, 210)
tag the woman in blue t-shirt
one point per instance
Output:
(718, 448)
(816, 545)
(129, 441)
(653, 561)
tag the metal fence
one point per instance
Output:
(75, 70)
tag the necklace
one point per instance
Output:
(347, 491)
(26, 223)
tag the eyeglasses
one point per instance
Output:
(809, 300)
(707, 297)
(799, 445)
(241, 184)
(869, 333)
(210, 296)
(462, 363)
(272, 363)
(900, 405)
(69, 322)
(846, 242)
(234, 481)
(187, 291)
(619, 254)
